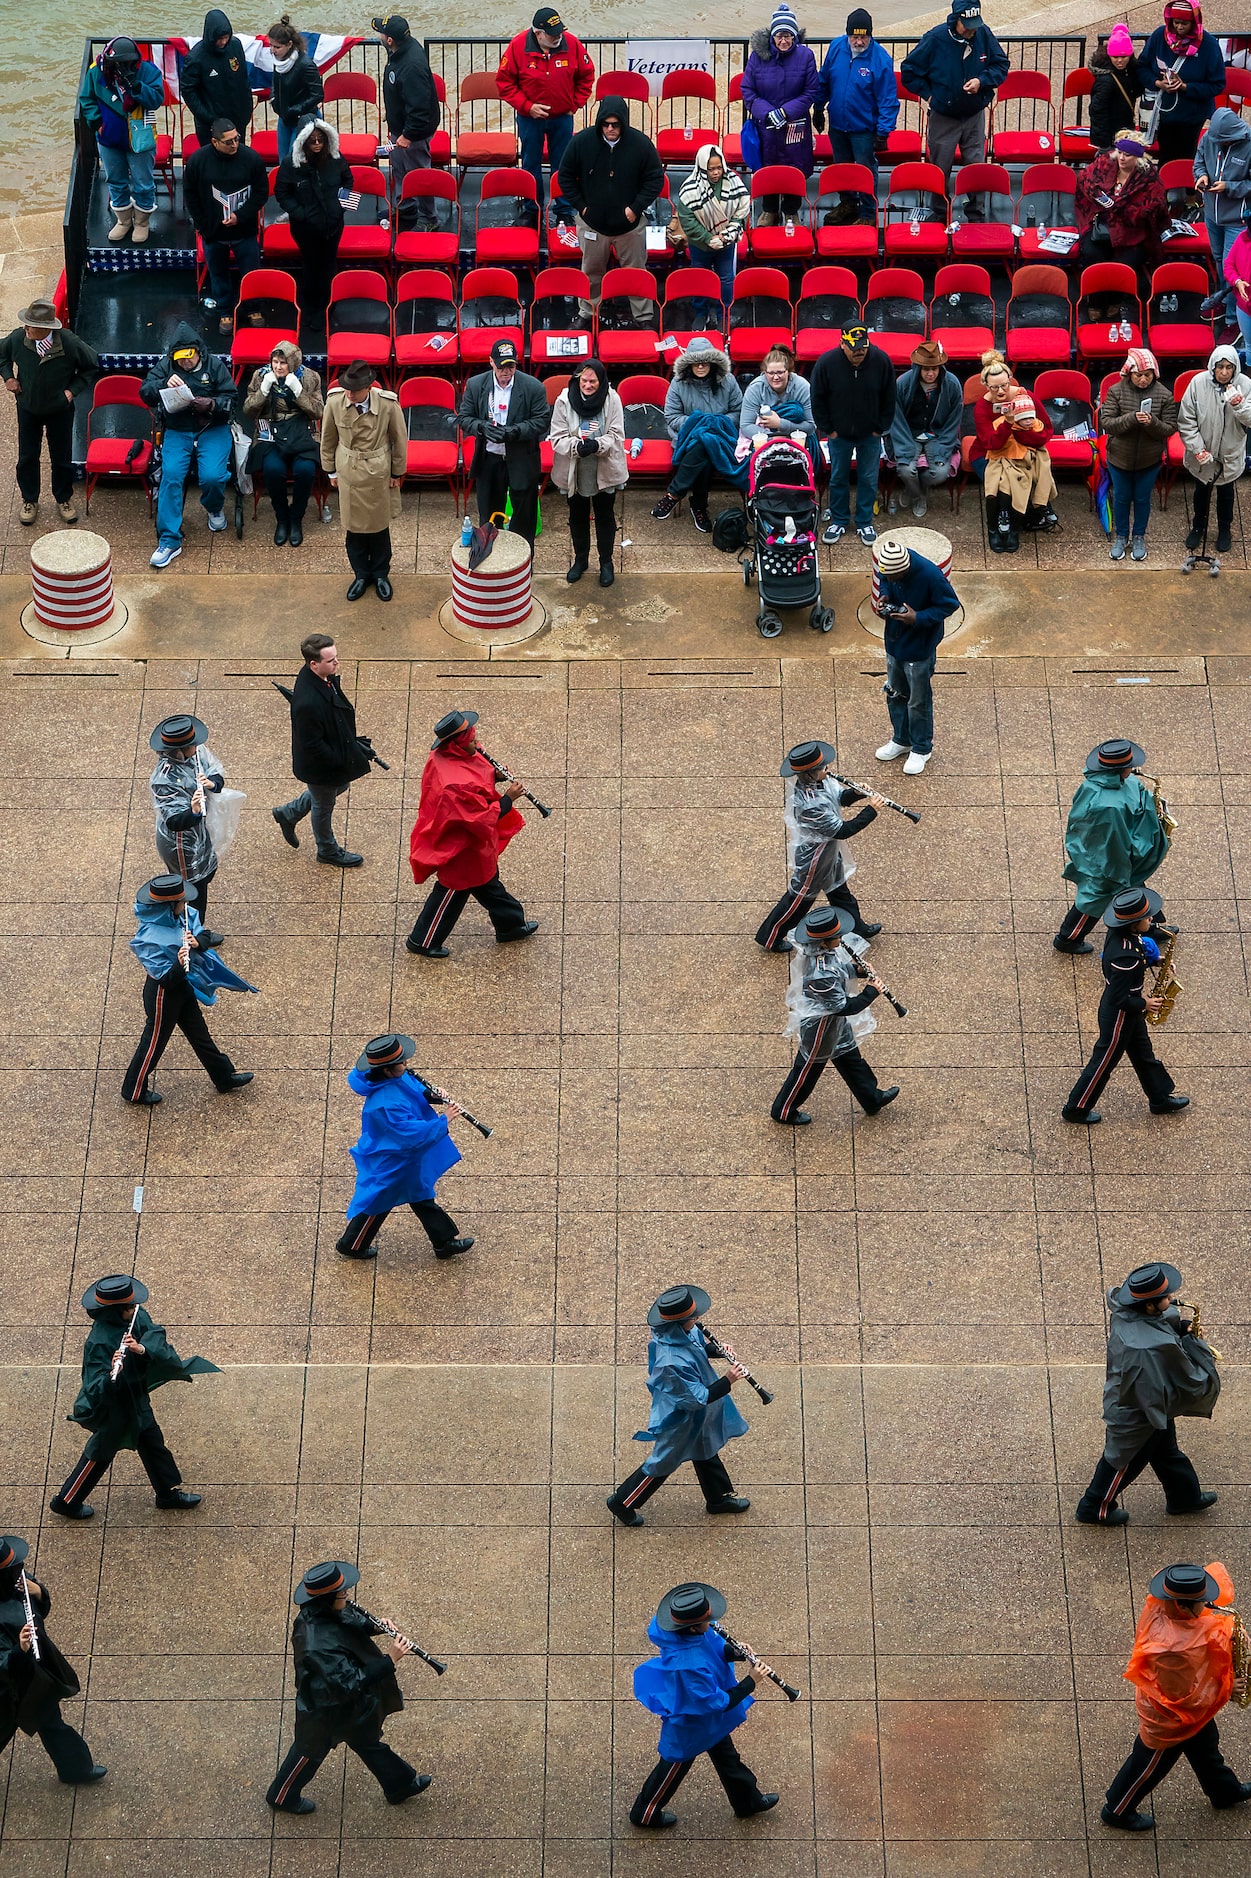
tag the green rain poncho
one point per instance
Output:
(1113, 839)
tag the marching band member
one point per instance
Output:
(403, 1150)
(345, 1687)
(692, 1415)
(1113, 838)
(820, 1015)
(1158, 1368)
(1182, 1670)
(183, 972)
(187, 767)
(815, 831)
(1123, 1012)
(700, 1701)
(126, 1356)
(32, 1688)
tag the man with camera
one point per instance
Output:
(915, 599)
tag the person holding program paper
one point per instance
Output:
(226, 186)
(192, 393)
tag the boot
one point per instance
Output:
(123, 222)
(140, 230)
(580, 536)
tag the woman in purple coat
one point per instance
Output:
(779, 91)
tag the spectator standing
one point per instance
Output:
(45, 367)
(701, 390)
(546, 75)
(956, 68)
(1238, 274)
(1182, 64)
(118, 92)
(1138, 417)
(1117, 88)
(857, 88)
(915, 599)
(1014, 433)
(589, 464)
(225, 186)
(1223, 176)
(409, 100)
(505, 411)
(285, 399)
(195, 425)
(713, 207)
(610, 175)
(364, 451)
(1214, 418)
(1121, 205)
(853, 404)
(925, 436)
(780, 87)
(215, 81)
(307, 189)
(296, 91)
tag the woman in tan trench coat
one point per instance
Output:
(364, 451)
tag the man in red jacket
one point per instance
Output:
(463, 826)
(546, 75)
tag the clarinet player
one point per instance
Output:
(33, 1689)
(403, 1150)
(815, 832)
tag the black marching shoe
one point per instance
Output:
(658, 1821)
(765, 1802)
(88, 1779)
(1127, 1822)
(281, 534)
(454, 1246)
(1200, 1505)
(883, 1097)
(146, 1099)
(729, 1503)
(420, 1783)
(522, 932)
(1076, 946)
(288, 828)
(239, 1078)
(625, 1514)
(1243, 1796)
(1170, 1105)
(177, 1500)
(1117, 1517)
(426, 952)
(346, 1251)
(341, 857)
(785, 946)
(800, 1119)
(357, 588)
(83, 1510)
(211, 939)
(294, 1806)
(384, 591)
(870, 931)
(1088, 1116)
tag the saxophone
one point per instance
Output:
(1196, 1322)
(1167, 821)
(1240, 1653)
(1167, 985)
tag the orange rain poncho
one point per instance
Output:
(1181, 1667)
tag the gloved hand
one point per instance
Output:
(494, 433)
(202, 406)
(818, 118)
(268, 383)
(588, 446)
(776, 120)
(881, 142)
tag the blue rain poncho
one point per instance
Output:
(404, 1146)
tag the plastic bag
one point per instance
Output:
(223, 808)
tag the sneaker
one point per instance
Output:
(892, 750)
(28, 513)
(665, 507)
(67, 512)
(702, 520)
(833, 533)
(917, 759)
(217, 523)
(920, 506)
(867, 534)
(164, 556)
(1117, 551)
(1139, 550)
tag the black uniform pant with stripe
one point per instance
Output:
(1121, 1033)
(794, 906)
(1075, 926)
(170, 1004)
(806, 1074)
(64, 1747)
(361, 1231)
(444, 906)
(666, 1777)
(389, 1769)
(1146, 1768)
(100, 1452)
(711, 1475)
(1170, 1466)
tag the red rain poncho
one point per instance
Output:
(1181, 1667)
(459, 833)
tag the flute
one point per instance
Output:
(506, 775)
(441, 1095)
(383, 1627)
(863, 971)
(864, 789)
(30, 1619)
(119, 1355)
(788, 1689)
(717, 1348)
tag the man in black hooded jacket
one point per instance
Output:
(215, 80)
(611, 175)
(410, 102)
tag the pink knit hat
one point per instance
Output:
(1119, 41)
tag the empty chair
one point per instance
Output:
(359, 92)
(829, 299)
(1175, 454)
(906, 142)
(686, 115)
(429, 407)
(119, 433)
(732, 140)
(983, 213)
(760, 315)
(507, 231)
(1185, 210)
(843, 229)
(427, 231)
(367, 222)
(485, 126)
(643, 397)
(621, 338)
(358, 321)
(1109, 314)
(425, 324)
(962, 311)
(1046, 209)
(1039, 317)
(1067, 398)
(1023, 120)
(267, 311)
(441, 139)
(634, 88)
(1176, 329)
(277, 241)
(895, 312)
(490, 309)
(556, 335)
(778, 230)
(1076, 145)
(915, 214)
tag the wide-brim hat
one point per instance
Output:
(1169, 1281)
(1096, 767)
(130, 1291)
(338, 1575)
(451, 725)
(404, 1047)
(13, 1551)
(40, 313)
(1189, 1590)
(828, 754)
(1149, 904)
(357, 376)
(694, 1299)
(152, 892)
(162, 740)
(712, 1605)
(825, 933)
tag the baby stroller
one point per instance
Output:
(782, 515)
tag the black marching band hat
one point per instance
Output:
(689, 1604)
(13, 1551)
(119, 1291)
(1190, 1583)
(1147, 1284)
(807, 756)
(451, 725)
(322, 1581)
(382, 1052)
(822, 926)
(162, 890)
(178, 733)
(1134, 904)
(1115, 753)
(676, 1303)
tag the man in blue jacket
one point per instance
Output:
(956, 68)
(404, 1148)
(916, 600)
(700, 1701)
(856, 86)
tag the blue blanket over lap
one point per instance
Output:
(717, 436)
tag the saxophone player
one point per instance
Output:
(1114, 838)
(1123, 1010)
(1159, 1367)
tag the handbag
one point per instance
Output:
(675, 234)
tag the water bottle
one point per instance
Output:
(790, 228)
(914, 221)
(466, 532)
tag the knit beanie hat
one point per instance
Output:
(783, 21)
(859, 21)
(1119, 41)
(891, 558)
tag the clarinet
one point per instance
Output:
(717, 1348)
(383, 1627)
(788, 1689)
(862, 971)
(119, 1355)
(506, 775)
(863, 789)
(30, 1619)
(441, 1095)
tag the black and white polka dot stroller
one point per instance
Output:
(783, 554)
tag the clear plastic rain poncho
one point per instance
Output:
(814, 815)
(818, 988)
(193, 851)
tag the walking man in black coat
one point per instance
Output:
(327, 754)
(34, 1677)
(1123, 1012)
(505, 411)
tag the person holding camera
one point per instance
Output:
(916, 599)
(856, 85)
(1138, 417)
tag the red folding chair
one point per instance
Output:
(507, 230)
(691, 305)
(789, 237)
(490, 309)
(1175, 327)
(441, 139)
(436, 247)
(277, 241)
(620, 339)
(1075, 143)
(962, 311)
(267, 311)
(117, 422)
(1023, 95)
(367, 227)
(634, 88)
(433, 442)
(358, 321)
(911, 228)
(1069, 402)
(493, 144)
(425, 323)
(555, 328)
(895, 312)
(1178, 180)
(984, 191)
(1175, 449)
(732, 140)
(761, 315)
(1107, 338)
(1039, 319)
(678, 142)
(643, 396)
(352, 89)
(836, 238)
(1048, 201)
(906, 143)
(829, 299)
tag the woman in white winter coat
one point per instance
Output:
(589, 464)
(1213, 420)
